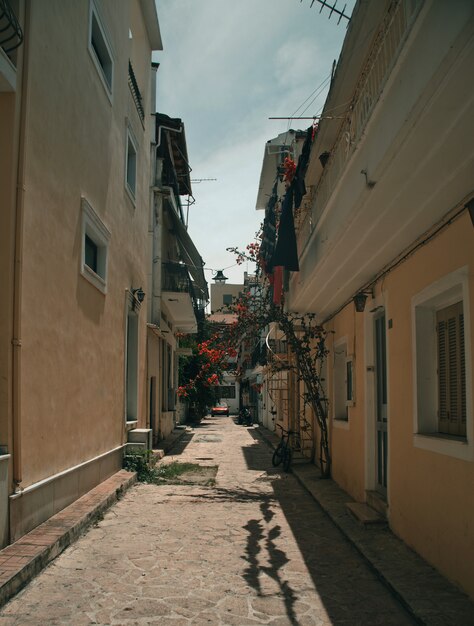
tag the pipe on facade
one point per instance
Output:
(18, 258)
(173, 130)
(157, 224)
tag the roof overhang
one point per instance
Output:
(152, 25)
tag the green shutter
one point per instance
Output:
(451, 371)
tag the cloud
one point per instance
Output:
(225, 69)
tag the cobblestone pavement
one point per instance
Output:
(254, 549)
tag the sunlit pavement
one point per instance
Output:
(254, 549)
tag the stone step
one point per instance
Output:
(365, 514)
(377, 502)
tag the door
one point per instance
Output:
(152, 406)
(381, 433)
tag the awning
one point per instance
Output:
(190, 255)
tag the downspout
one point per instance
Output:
(157, 245)
(18, 260)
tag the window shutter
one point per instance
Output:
(451, 371)
(443, 420)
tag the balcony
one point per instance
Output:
(11, 37)
(178, 297)
(382, 57)
(388, 180)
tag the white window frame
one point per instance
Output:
(131, 139)
(106, 81)
(452, 288)
(350, 401)
(95, 229)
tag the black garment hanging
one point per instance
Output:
(286, 253)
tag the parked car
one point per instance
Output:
(221, 408)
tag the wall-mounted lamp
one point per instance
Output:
(360, 299)
(139, 294)
(324, 157)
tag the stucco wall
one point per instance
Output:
(347, 437)
(73, 377)
(431, 494)
(8, 158)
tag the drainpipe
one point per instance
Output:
(18, 259)
(157, 246)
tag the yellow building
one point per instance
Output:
(386, 260)
(76, 130)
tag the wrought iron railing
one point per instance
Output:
(385, 51)
(137, 96)
(11, 34)
(175, 277)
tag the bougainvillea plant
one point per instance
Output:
(254, 312)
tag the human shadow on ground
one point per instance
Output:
(261, 534)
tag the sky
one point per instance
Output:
(225, 68)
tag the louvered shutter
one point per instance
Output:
(451, 371)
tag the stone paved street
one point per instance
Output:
(254, 549)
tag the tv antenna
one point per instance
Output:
(332, 8)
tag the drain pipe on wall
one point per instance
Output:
(18, 259)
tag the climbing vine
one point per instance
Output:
(255, 311)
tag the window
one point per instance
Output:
(451, 370)
(226, 391)
(350, 395)
(95, 244)
(442, 368)
(91, 254)
(131, 165)
(168, 396)
(99, 49)
(340, 381)
(227, 298)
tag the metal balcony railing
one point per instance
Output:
(385, 51)
(175, 278)
(137, 96)
(11, 34)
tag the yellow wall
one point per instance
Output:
(347, 438)
(73, 343)
(431, 494)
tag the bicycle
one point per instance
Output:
(283, 452)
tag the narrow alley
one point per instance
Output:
(253, 549)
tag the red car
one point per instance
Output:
(221, 408)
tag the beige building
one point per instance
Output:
(76, 129)
(386, 256)
(176, 282)
(223, 294)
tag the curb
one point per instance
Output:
(21, 561)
